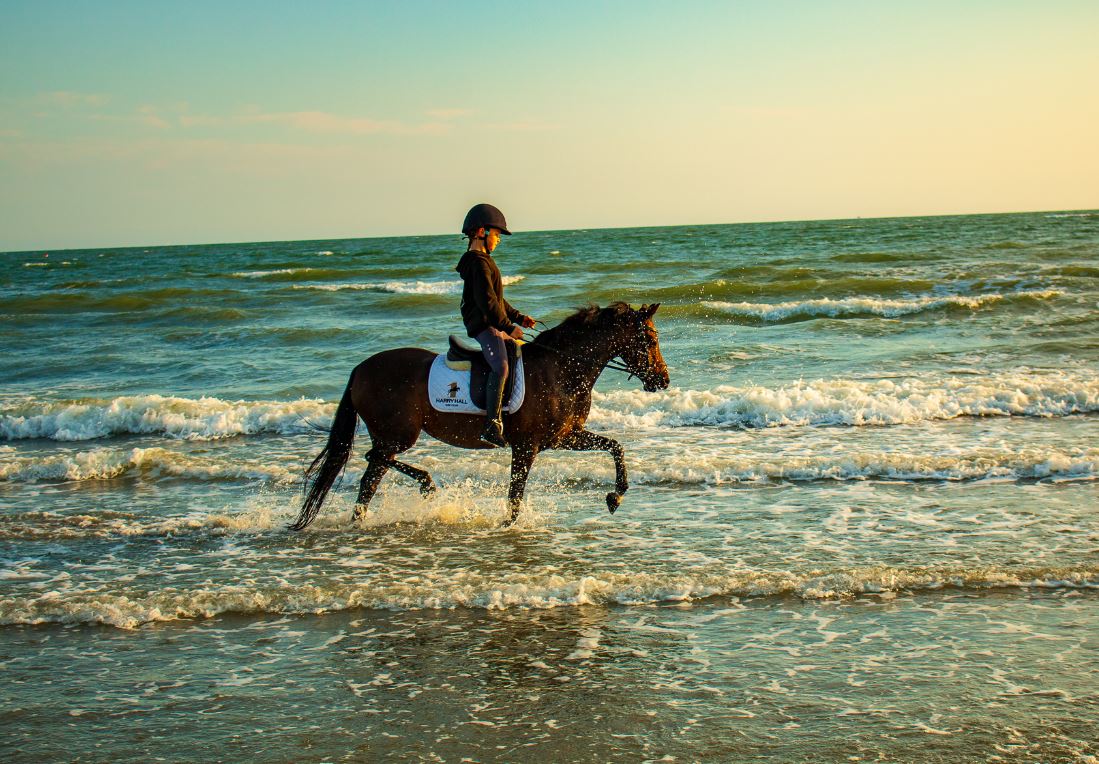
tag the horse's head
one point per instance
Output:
(641, 348)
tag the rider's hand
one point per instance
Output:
(528, 322)
(516, 333)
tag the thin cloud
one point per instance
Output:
(321, 122)
(70, 98)
(327, 122)
(148, 115)
(448, 113)
(179, 116)
(201, 120)
(772, 112)
(522, 126)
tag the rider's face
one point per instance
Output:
(492, 239)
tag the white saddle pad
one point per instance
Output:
(448, 390)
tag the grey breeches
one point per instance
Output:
(493, 345)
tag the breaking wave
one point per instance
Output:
(187, 418)
(292, 274)
(695, 469)
(850, 402)
(562, 472)
(855, 307)
(528, 590)
(107, 464)
(820, 402)
(401, 287)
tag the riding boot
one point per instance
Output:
(494, 402)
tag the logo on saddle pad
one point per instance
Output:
(448, 389)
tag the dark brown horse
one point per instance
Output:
(389, 391)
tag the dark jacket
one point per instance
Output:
(483, 303)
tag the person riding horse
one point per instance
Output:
(388, 391)
(488, 317)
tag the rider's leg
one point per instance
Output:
(493, 345)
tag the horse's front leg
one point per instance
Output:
(423, 477)
(582, 440)
(522, 457)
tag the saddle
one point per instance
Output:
(464, 355)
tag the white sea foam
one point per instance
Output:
(701, 469)
(820, 402)
(421, 287)
(854, 402)
(105, 464)
(463, 505)
(201, 419)
(261, 274)
(867, 306)
(526, 590)
(401, 287)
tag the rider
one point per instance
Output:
(487, 315)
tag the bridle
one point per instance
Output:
(611, 364)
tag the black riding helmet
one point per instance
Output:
(485, 216)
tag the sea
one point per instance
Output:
(863, 522)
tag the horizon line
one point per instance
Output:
(44, 250)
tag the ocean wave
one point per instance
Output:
(527, 590)
(855, 307)
(186, 418)
(820, 402)
(261, 274)
(107, 464)
(121, 302)
(292, 274)
(566, 473)
(874, 257)
(718, 290)
(401, 287)
(852, 402)
(723, 469)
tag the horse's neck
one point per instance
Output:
(581, 361)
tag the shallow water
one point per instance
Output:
(862, 520)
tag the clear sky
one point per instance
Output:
(128, 123)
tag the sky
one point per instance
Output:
(142, 123)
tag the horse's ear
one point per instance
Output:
(648, 310)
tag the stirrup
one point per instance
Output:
(493, 433)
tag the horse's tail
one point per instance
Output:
(328, 465)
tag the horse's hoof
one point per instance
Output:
(428, 492)
(614, 501)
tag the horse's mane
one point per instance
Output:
(581, 322)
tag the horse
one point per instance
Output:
(389, 392)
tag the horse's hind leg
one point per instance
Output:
(378, 463)
(582, 440)
(427, 485)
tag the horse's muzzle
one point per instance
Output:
(656, 382)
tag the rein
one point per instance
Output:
(611, 364)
